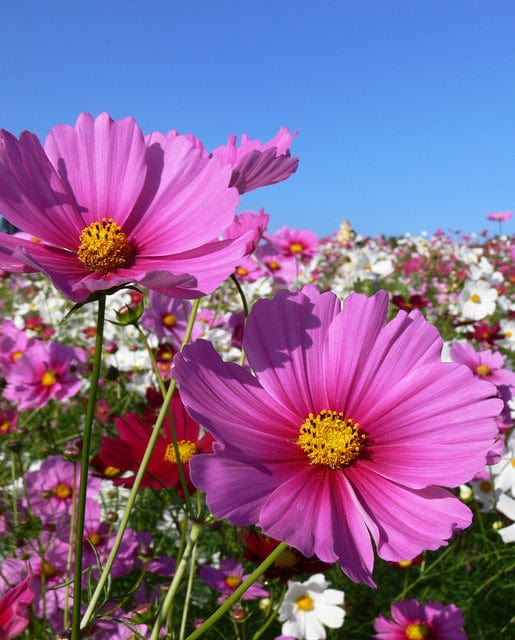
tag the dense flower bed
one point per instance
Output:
(339, 409)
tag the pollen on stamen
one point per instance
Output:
(330, 439)
(187, 450)
(104, 246)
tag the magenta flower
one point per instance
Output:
(499, 217)
(228, 578)
(45, 371)
(347, 431)
(302, 244)
(414, 621)
(256, 164)
(14, 617)
(486, 364)
(109, 207)
(168, 318)
(51, 488)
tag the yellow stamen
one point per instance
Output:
(304, 603)
(48, 570)
(169, 320)
(482, 370)
(417, 631)
(16, 355)
(104, 246)
(187, 450)
(95, 539)
(110, 472)
(296, 247)
(232, 582)
(331, 439)
(62, 491)
(273, 265)
(485, 486)
(48, 378)
(241, 271)
(475, 298)
(286, 560)
(5, 426)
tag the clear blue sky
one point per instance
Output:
(405, 108)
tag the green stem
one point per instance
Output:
(177, 578)
(84, 466)
(233, 598)
(106, 572)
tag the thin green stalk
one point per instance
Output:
(272, 616)
(177, 578)
(189, 589)
(84, 466)
(233, 598)
(136, 485)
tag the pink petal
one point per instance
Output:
(103, 162)
(283, 341)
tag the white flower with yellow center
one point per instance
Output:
(309, 606)
(477, 300)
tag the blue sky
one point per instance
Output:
(405, 108)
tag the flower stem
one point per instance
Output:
(233, 598)
(84, 465)
(106, 572)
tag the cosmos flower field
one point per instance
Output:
(209, 429)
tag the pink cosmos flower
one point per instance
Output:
(486, 364)
(14, 618)
(168, 318)
(295, 243)
(256, 164)
(45, 371)
(109, 207)
(499, 217)
(228, 578)
(52, 487)
(347, 431)
(414, 621)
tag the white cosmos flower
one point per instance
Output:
(506, 505)
(477, 300)
(308, 606)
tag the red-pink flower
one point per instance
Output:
(14, 617)
(124, 454)
(108, 206)
(415, 621)
(344, 431)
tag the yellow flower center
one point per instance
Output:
(48, 378)
(475, 298)
(95, 539)
(62, 491)
(232, 582)
(405, 564)
(104, 246)
(304, 603)
(111, 472)
(241, 271)
(331, 439)
(187, 450)
(16, 355)
(418, 631)
(513, 462)
(286, 560)
(485, 486)
(169, 320)
(508, 334)
(296, 247)
(48, 570)
(273, 265)
(482, 370)
(5, 426)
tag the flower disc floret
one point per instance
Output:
(104, 246)
(418, 631)
(187, 450)
(331, 439)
